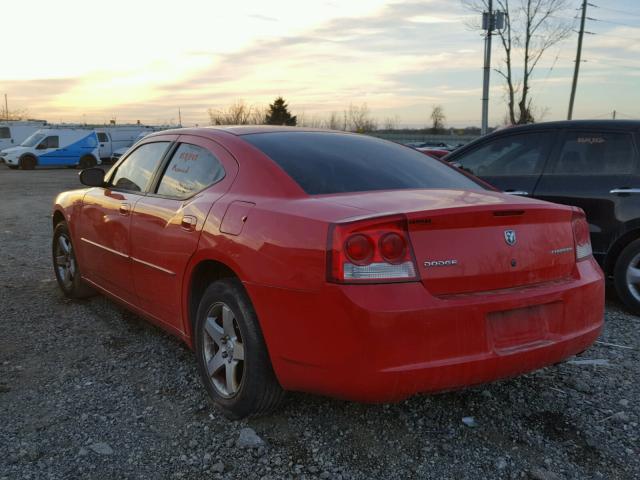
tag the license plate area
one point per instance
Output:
(522, 328)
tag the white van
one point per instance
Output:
(115, 156)
(55, 147)
(13, 133)
(115, 138)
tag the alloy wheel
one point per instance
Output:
(633, 277)
(65, 261)
(223, 350)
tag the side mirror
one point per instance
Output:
(92, 177)
(42, 146)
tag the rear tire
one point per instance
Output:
(66, 266)
(232, 356)
(28, 162)
(87, 161)
(626, 276)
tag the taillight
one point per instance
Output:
(581, 235)
(371, 251)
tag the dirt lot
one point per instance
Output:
(88, 390)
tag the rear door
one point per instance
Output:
(512, 163)
(166, 223)
(596, 170)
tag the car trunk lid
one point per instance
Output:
(464, 250)
(475, 241)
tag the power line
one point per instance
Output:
(625, 12)
(608, 35)
(612, 22)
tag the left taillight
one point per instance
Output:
(581, 236)
(371, 251)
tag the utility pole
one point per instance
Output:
(578, 54)
(490, 21)
(179, 117)
(6, 107)
(614, 114)
(487, 23)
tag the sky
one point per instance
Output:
(89, 61)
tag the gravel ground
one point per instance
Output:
(88, 390)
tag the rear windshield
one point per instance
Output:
(323, 162)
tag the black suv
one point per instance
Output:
(592, 164)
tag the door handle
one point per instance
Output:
(189, 222)
(124, 209)
(617, 191)
(516, 192)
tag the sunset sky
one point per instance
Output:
(90, 61)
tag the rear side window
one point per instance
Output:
(4, 132)
(324, 163)
(190, 170)
(102, 137)
(135, 172)
(508, 156)
(596, 153)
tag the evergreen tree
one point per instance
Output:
(279, 114)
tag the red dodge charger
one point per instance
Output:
(326, 262)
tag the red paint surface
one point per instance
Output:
(455, 326)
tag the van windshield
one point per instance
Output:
(33, 140)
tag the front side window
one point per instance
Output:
(52, 141)
(596, 153)
(325, 163)
(4, 132)
(507, 156)
(102, 137)
(33, 140)
(190, 170)
(135, 172)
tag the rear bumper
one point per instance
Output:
(379, 343)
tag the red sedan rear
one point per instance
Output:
(326, 262)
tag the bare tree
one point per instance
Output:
(531, 28)
(238, 113)
(391, 123)
(335, 121)
(311, 121)
(257, 115)
(359, 119)
(437, 119)
(19, 114)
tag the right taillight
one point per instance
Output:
(581, 236)
(374, 250)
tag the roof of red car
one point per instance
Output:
(242, 129)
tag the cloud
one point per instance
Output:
(353, 59)
(400, 58)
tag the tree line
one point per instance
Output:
(355, 118)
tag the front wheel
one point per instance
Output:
(233, 361)
(627, 276)
(66, 266)
(28, 162)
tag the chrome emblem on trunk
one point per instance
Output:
(510, 237)
(441, 263)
